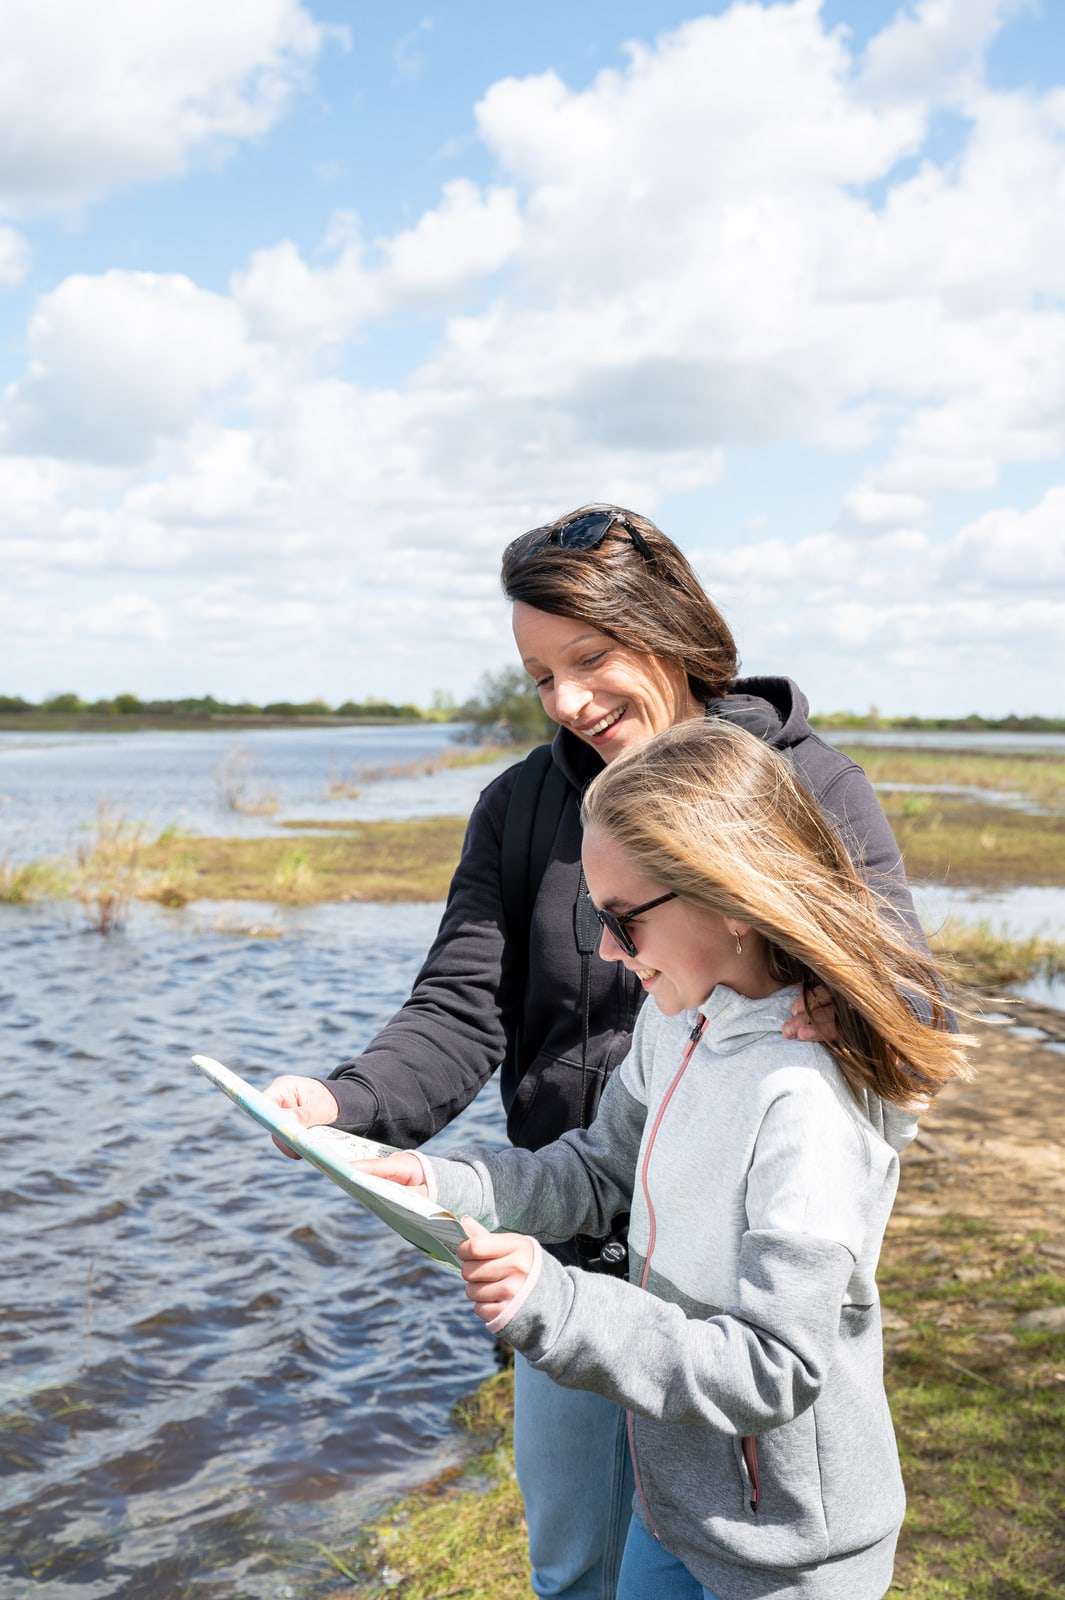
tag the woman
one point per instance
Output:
(622, 642)
(760, 1172)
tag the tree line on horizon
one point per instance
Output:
(505, 709)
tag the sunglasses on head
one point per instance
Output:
(614, 922)
(583, 531)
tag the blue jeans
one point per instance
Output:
(649, 1572)
(571, 1456)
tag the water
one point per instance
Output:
(211, 1360)
(1020, 913)
(51, 784)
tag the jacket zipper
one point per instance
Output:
(749, 1451)
(693, 1039)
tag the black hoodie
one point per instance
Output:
(477, 1003)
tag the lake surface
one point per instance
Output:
(212, 1363)
(52, 784)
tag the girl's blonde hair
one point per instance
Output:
(712, 813)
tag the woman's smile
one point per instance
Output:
(608, 695)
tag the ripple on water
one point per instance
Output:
(211, 1360)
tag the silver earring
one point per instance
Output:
(739, 947)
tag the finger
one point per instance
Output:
(489, 1273)
(399, 1168)
(286, 1149)
(488, 1313)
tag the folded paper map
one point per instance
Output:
(335, 1153)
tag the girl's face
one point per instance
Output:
(682, 951)
(610, 696)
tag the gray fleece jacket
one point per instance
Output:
(747, 1344)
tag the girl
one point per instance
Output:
(759, 1172)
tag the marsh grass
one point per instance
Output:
(975, 845)
(238, 790)
(350, 787)
(986, 956)
(1040, 777)
(107, 869)
(295, 879)
(374, 861)
(26, 883)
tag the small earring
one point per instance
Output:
(739, 947)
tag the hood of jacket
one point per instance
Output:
(733, 1022)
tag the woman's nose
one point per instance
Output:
(570, 699)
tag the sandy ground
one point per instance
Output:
(995, 1148)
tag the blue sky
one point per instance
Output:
(306, 309)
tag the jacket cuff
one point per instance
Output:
(428, 1175)
(455, 1186)
(357, 1102)
(497, 1324)
(536, 1319)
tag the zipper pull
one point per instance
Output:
(696, 1033)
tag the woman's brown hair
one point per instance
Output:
(712, 813)
(650, 600)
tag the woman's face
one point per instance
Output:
(610, 696)
(682, 951)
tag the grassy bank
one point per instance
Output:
(1039, 776)
(378, 861)
(975, 846)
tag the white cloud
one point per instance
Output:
(117, 363)
(134, 615)
(935, 49)
(102, 96)
(469, 235)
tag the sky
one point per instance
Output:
(307, 308)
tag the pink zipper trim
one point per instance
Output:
(693, 1039)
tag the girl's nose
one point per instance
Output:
(609, 949)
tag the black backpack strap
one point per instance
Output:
(534, 812)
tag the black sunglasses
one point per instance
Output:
(614, 922)
(583, 531)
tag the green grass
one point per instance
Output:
(1039, 776)
(980, 1415)
(972, 845)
